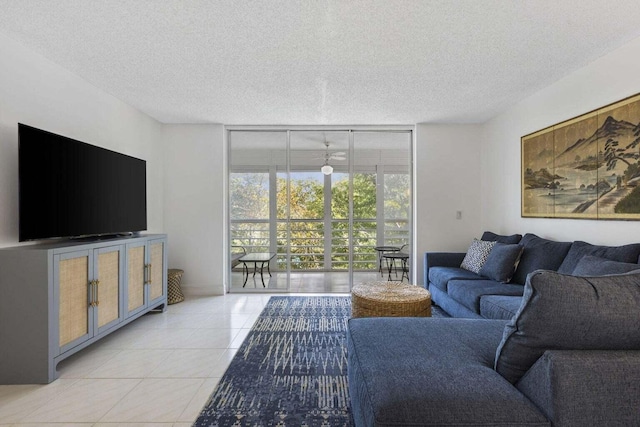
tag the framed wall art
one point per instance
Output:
(587, 167)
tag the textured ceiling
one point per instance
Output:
(321, 62)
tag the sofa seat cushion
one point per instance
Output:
(440, 276)
(452, 307)
(625, 253)
(499, 306)
(539, 254)
(431, 372)
(570, 313)
(469, 292)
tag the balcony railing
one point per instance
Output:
(305, 242)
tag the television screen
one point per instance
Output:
(71, 189)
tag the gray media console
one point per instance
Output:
(56, 299)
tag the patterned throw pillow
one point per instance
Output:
(477, 255)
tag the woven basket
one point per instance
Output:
(174, 292)
(389, 299)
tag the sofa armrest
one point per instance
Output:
(440, 259)
(585, 387)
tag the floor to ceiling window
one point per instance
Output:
(307, 208)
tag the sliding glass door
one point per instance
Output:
(316, 203)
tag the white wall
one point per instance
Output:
(194, 205)
(448, 171)
(39, 93)
(609, 79)
(471, 168)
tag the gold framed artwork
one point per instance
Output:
(587, 167)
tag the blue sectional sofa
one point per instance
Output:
(570, 357)
(462, 293)
(549, 348)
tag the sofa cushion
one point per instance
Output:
(452, 307)
(585, 387)
(596, 266)
(626, 253)
(570, 313)
(477, 255)
(499, 306)
(430, 371)
(468, 292)
(440, 276)
(501, 262)
(539, 254)
(493, 237)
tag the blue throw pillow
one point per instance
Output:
(493, 237)
(625, 253)
(596, 266)
(570, 313)
(539, 254)
(501, 262)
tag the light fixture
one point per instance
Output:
(326, 169)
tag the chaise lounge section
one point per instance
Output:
(569, 357)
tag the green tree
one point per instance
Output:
(249, 199)
(249, 195)
(306, 201)
(364, 197)
(397, 198)
(364, 207)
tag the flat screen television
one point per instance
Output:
(71, 189)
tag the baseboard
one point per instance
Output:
(209, 290)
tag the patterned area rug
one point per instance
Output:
(291, 370)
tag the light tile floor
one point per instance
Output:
(157, 371)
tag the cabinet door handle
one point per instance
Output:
(90, 293)
(150, 279)
(97, 282)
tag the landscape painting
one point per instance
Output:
(587, 167)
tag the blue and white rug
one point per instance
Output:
(291, 370)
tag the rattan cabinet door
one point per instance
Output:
(136, 267)
(156, 270)
(72, 272)
(108, 287)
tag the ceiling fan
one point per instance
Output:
(327, 169)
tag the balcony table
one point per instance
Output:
(381, 251)
(391, 263)
(256, 258)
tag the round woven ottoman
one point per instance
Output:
(389, 299)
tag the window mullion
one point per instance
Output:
(380, 205)
(327, 223)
